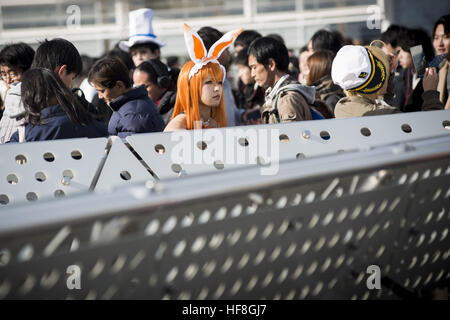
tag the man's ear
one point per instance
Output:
(272, 65)
(61, 70)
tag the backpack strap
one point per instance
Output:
(291, 87)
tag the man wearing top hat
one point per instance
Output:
(142, 42)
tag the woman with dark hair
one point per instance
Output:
(15, 59)
(133, 111)
(53, 111)
(161, 88)
(319, 65)
(412, 90)
(441, 44)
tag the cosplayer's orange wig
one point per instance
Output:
(189, 94)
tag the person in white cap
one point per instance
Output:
(365, 75)
(142, 43)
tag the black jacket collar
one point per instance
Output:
(133, 94)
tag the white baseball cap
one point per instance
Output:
(359, 69)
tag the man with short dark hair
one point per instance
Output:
(244, 39)
(327, 40)
(286, 99)
(60, 56)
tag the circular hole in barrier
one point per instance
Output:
(406, 128)
(243, 142)
(40, 176)
(159, 148)
(176, 168)
(59, 193)
(21, 159)
(125, 175)
(68, 173)
(31, 196)
(284, 138)
(12, 179)
(49, 157)
(219, 165)
(365, 132)
(325, 135)
(4, 199)
(202, 145)
(76, 154)
(446, 124)
(300, 156)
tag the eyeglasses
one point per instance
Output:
(11, 75)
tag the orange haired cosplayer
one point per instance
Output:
(189, 92)
(204, 64)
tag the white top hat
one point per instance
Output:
(356, 68)
(141, 29)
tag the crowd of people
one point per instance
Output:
(55, 93)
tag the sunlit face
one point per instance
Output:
(441, 41)
(260, 73)
(139, 55)
(141, 78)
(238, 48)
(10, 75)
(211, 92)
(303, 61)
(405, 59)
(245, 74)
(309, 47)
(108, 94)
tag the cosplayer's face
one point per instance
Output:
(211, 92)
(441, 41)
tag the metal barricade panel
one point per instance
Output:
(192, 152)
(290, 239)
(48, 169)
(121, 168)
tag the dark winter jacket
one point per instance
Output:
(134, 112)
(57, 125)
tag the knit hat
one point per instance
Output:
(362, 70)
(141, 29)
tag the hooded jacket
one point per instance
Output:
(13, 114)
(134, 112)
(291, 105)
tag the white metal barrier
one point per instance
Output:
(38, 170)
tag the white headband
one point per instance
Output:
(197, 50)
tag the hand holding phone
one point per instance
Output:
(430, 79)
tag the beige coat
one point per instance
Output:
(358, 106)
(292, 106)
(442, 85)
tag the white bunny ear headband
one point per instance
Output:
(197, 50)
